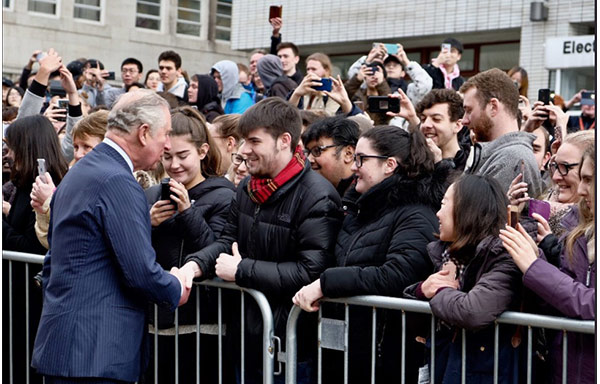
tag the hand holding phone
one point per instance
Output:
(326, 85)
(165, 191)
(275, 11)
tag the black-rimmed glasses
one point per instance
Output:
(562, 168)
(237, 159)
(318, 150)
(359, 158)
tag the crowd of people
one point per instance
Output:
(468, 196)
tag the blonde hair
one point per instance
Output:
(93, 125)
(321, 58)
(586, 224)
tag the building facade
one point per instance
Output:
(494, 34)
(110, 30)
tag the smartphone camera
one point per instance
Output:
(165, 191)
(326, 85)
(111, 76)
(382, 104)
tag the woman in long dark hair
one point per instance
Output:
(191, 221)
(28, 139)
(475, 281)
(381, 248)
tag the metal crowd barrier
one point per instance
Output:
(268, 350)
(416, 306)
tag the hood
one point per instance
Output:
(208, 91)
(210, 184)
(507, 140)
(230, 77)
(269, 68)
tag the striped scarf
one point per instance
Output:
(261, 189)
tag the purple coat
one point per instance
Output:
(571, 290)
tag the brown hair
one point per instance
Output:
(443, 96)
(227, 125)
(321, 58)
(276, 116)
(93, 125)
(243, 68)
(524, 79)
(494, 83)
(479, 210)
(293, 47)
(188, 121)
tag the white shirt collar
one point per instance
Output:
(120, 150)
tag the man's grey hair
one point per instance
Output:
(133, 109)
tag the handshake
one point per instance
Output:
(185, 275)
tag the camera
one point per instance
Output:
(382, 104)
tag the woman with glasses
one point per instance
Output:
(381, 248)
(239, 169)
(565, 278)
(223, 131)
(565, 179)
(192, 219)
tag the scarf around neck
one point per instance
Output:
(448, 77)
(260, 189)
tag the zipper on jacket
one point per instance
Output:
(254, 228)
(588, 276)
(180, 254)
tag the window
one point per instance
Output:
(188, 17)
(148, 14)
(223, 29)
(6, 3)
(42, 6)
(87, 9)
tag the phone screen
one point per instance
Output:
(392, 49)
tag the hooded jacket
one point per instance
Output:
(570, 289)
(501, 159)
(189, 231)
(234, 98)
(208, 101)
(271, 73)
(489, 285)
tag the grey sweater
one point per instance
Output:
(501, 159)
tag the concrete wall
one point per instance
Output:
(111, 41)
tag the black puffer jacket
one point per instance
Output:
(190, 231)
(285, 243)
(381, 248)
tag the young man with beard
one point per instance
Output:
(280, 232)
(491, 103)
(330, 145)
(441, 113)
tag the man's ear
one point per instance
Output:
(457, 126)
(296, 59)
(494, 106)
(348, 154)
(286, 141)
(143, 133)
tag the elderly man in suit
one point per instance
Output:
(100, 271)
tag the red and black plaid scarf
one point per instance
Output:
(261, 189)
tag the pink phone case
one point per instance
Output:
(540, 207)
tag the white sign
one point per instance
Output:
(570, 52)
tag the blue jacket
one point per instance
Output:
(99, 274)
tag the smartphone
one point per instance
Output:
(165, 191)
(42, 169)
(540, 207)
(275, 11)
(513, 216)
(446, 47)
(63, 103)
(392, 49)
(111, 76)
(546, 96)
(588, 95)
(326, 85)
(382, 104)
